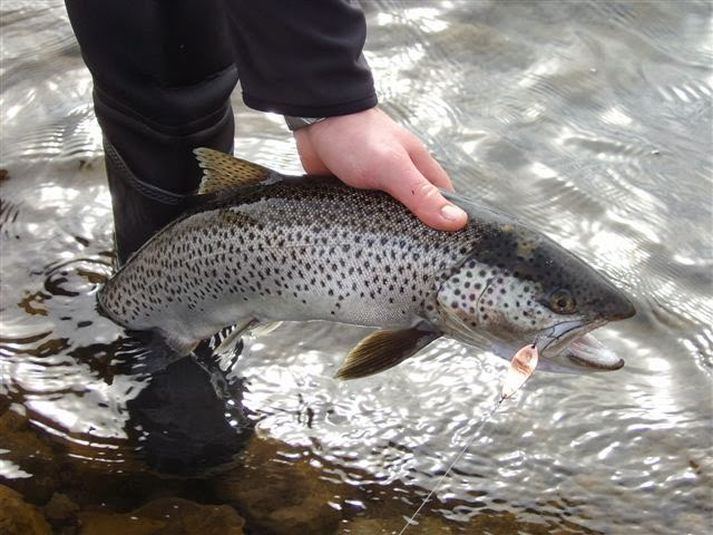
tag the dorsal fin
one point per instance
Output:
(223, 171)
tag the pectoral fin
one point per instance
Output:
(383, 349)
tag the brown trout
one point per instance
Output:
(258, 247)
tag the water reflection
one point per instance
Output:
(182, 424)
(589, 119)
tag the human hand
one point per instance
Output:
(369, 150)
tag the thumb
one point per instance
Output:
(426, 201)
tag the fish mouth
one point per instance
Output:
(590, 353)
(556, 338)
(568, 346)
(596, 366)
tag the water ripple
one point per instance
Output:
(590, 120)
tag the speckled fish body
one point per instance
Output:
(312, 248)
(299, 249)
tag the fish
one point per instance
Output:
(257, 247)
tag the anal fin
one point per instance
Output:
(234, 335)
(265, 328)
(181, 345)
(384, 349)
(250, 326)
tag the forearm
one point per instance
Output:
(302, 58)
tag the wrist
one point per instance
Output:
(297, 123)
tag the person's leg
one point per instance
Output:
(163, 72)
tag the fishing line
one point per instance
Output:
(521, 367)
(457, 458)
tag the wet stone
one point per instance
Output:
(61, 512)
(18, 517)
(174, 516)
(389, 526)
(32, 455)
(278, 498)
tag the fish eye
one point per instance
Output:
(562, 302)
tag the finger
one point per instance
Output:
(422, 197)
(429, 167)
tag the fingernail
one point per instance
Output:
(452, 213)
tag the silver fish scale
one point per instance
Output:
(299, 249)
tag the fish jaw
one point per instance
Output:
(586, 353)
(580, 353)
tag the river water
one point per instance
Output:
(592, 120)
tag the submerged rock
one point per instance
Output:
(389, 526)
(61, 512)
(174, 516)
(32, 455)
(278, 497)
(18, 517)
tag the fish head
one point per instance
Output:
(516, 286)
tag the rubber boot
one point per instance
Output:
(163, 75)
(181, 424)
(151, 169)
(140, 209)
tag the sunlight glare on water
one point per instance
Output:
(590, 120)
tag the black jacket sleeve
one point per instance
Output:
(301, 57)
